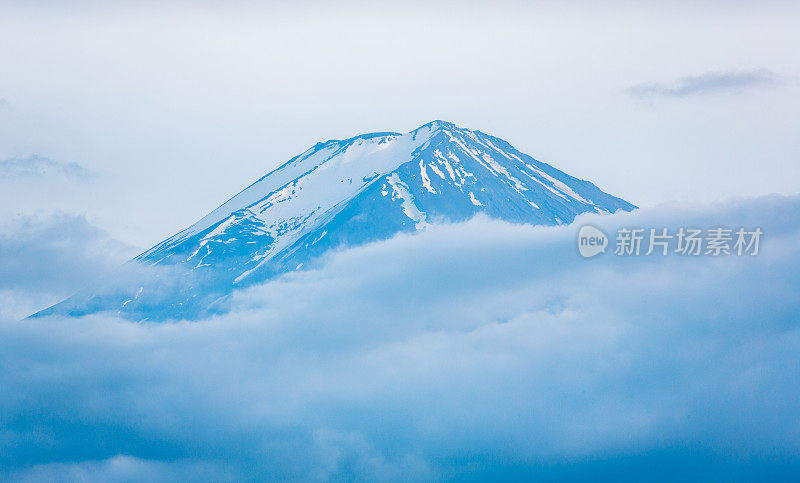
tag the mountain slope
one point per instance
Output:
(345, 193)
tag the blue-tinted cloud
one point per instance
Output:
(48, 257)
(708, 83)
(35, 166)
(119, 469)
(476, 350)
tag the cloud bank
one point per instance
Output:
(708, 83)
(472, 351)
(35, 166)
(45, 258)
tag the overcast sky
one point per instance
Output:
(169, 110)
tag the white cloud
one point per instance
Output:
(121, 469)
(35, 166)
(709, 83)
(480, 349)
(45, 258)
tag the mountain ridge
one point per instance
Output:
(350, 192)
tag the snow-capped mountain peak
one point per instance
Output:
(354, 191)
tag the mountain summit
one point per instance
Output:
(345, 193)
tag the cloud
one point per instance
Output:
(708, 83)
(480, 350)
(45, 258)
(120, 469)
(35, 166)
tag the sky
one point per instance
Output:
(142, 117)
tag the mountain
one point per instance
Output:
(343, 193)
